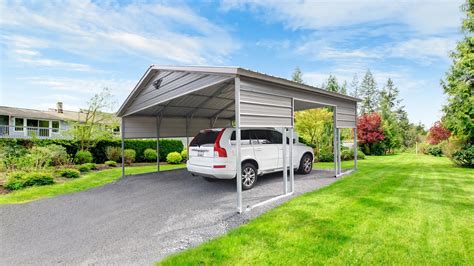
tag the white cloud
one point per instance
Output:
(423, 16)
(82, 86)
(170, 33)
(424, 49)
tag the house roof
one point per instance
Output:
(41, 114)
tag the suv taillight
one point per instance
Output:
(218, 150)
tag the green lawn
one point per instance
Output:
(90, 180)
(400, 209)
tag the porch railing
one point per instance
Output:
(8, 131)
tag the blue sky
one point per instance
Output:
(67, 51)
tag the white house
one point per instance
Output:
(27, 123)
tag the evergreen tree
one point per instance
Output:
(459, 83)
(343, 88)
(297, 75)
(331, 84)
(355, 86)
(389, 94)
(369, 94)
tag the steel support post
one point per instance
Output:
(285, 159)
(292, 170)
(355, 148)
(339, 151)
(158, 124)
(122, 128)
(335, 143)
(238, 163)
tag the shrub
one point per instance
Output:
(37, 158)
(59, 155)
(460, 153)
(83, 157)
(15, 180)
(10, 152)
(83, 168)
(37, 179)
(18, 180)
(347, 155)
(360, 155)
(129, 156)
(111, 163)
(184, 154)
(149, 155)
(326, 157)
(69, 173)
(435, 150)
(174, 158)
(92, 166)
(113, 153)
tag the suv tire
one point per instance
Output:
(248, 176)
(306, 164)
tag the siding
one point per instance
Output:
(263, 92)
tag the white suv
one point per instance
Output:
(212, 154)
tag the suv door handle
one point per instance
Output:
(258, 149)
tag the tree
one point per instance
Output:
(331, 84)
(355, 86)
(459, 82)
(297, 75)
(438, 133)
(97, 124)
(389, 94)
(315, 127)
(343, 88)
(369, 94)
(370, 132)
(390, 124)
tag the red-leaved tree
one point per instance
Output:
(369, 129)
(438, 133)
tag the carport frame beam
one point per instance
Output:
(238, 163)
(122, 128)
(158, 125)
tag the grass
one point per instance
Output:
(87, 181)
(330, 165)
(400, 209)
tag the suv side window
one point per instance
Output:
(244, 136)
(261, 135)
(276, 137)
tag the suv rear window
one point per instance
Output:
(204, 137)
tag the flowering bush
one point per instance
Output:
(369, 129)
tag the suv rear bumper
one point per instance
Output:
(219, 173)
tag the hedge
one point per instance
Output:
(98, 152)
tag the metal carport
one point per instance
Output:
(178, 101)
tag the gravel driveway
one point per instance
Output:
(135, 220)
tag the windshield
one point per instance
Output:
(205, 137)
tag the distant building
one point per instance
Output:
(50, 124)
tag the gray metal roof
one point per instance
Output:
(201, 91)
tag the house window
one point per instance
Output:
(3, 120)
(31, 123)
(43, 123)
(19, 122)
(55, 126)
